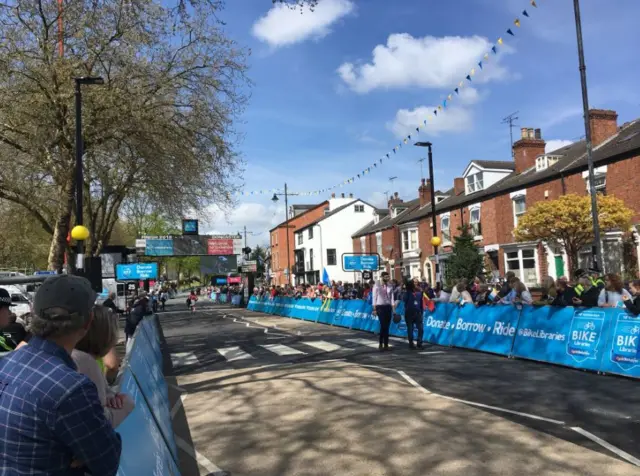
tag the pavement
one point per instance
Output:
(254, 394)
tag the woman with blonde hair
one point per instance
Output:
(100, 338)
(613, 294)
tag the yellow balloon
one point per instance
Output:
(435, 241)
(80, 233)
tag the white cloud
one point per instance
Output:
(283, 26)
(556, 144)
(257, 217)
(453, 119)
(427, 62)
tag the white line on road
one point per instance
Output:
(282, 349)
(181, 359)
(432, 352)
(367, 342)
(413, 382)
(178, 404)
(623, 454)
(324, 345)
(200, 459)
(233, 353)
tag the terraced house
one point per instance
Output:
(491, 195)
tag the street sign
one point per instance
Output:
(136, 271)
(354, 262)
(250, 268)
(45, 273)
(366, 276)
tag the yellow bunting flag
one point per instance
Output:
(449, 97)
(533, 3)
(500, 41)
(517, 22)
(486, 57)
(473, 71)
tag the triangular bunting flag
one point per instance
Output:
(387, 158)
(449, 97)
(425, 122)
(480, 64)
(359, 177)
(456, 90)
(405, 140)
(394, 150)
(510, 32)
(500, 41)
(493, 48)
(473, 71)
(444, 104)
(408, 137)
(516, 22)
(486, 56)
(375, 165)
(418, 129)
(469, 77)
(524, 13)
(533, 4)
(435, 112)
(460, 84)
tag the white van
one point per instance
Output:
(22, 304)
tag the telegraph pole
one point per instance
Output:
(510, 119)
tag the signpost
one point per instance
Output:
(367, 276)
(250, 267)
(360, 262)
(136, 271)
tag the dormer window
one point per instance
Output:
(474, 183)
(545, 161)
(397, 211)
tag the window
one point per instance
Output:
(363, 244)
(311, 233)
(523, 264)
(474, 222)
(444, 229)
(600, 182)
(274, 239)
(300, 238)
(359, 208)
(331, 257)
(474, 183)
(519, 208)
(311, 259)
(409, 240)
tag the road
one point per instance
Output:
(254, 394)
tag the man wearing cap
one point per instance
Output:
(5, 319)
(51, 420)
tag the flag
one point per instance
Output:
(325, 276)
(469, 77)
(524, 13)
(533, 4)
(516, 22)
(428, 303)
(500, 41)
(493, 48)
(510, 32)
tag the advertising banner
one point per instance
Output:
(136, 271)
(439, 325)
(487, 328)
(220, 246)
(159, 247)
(622, 355)
(218, 265)
(360, 262)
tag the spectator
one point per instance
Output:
(590, 293)
(6, 342)
(442, 294)
(633, 304)
(564, 293)
(163, 299)
(101, 337)
(110, 303)
(383, 305)
(613, 292)
(482, 296)
(139, 309)
(506, 288)
(464, 296)
(548, 290)
(522, 294)
(52, 420)
(413, 312)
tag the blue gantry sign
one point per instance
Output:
(360, 262)
(135, 271)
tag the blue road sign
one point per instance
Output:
(135, 271)
(360, 262)
(45, 273)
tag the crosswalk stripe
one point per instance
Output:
(282, 349)
(367, 342)
(324, 345)
(181, 359)
(233, 353)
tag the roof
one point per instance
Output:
(333, 212)
(388, 221)
(495, 164)
(623, 145)
(304, 207)
(313, 207)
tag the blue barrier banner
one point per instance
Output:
(622, 355)
(439, 325)
(486, 328)
(148, 372)
(365, 320)
(236, 300)
(347, 313)
(327, 311)
(144, 451)
(562, 335)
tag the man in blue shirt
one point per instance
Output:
(51, 420)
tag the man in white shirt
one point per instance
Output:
(383, 304)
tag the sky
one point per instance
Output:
(334, 90)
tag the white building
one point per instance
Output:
(321, 244)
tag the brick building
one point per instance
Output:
(491, 195)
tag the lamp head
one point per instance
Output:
(274, 198)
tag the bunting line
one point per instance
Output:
(485, 58)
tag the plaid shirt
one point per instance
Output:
(50, 414)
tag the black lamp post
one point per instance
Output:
(274, 199)
(435, 240)
(79, 179)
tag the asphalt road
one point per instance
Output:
(265, 395)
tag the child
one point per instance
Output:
(191, 301)
(101, 337)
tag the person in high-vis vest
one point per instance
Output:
(6, 345)
(593, 275)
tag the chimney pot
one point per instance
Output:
(538, 134)
(423, 181)
(531, 133)
(333, 195)
(523, 133)
(351, 195)
(342, 195)
(395, 194)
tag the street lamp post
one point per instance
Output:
(286, 224)
(597, 248)
(435, 241)
(79, 232)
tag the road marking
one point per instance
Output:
(324, 345)
(233, 353)
(200, 458)
(476, 404)
(178, 404)
(181, 359)
(282, 349)
(367, 342)
(623, 454)
(432, 352)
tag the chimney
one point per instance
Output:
(394, 200)
(342, 195)
(424, 192)
(351, 195)
(333, 195)
(525, 150)
(604, 124)
(458, 186)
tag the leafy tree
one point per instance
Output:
(259, 254)
(465, 260)
(162, 123)
(301, 4)
(567, 222)
(23, 243)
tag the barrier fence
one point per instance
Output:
(599, 339)
(148, 443)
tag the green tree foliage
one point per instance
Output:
(259, 254)
(465, 260)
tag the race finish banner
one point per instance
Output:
(190, 245)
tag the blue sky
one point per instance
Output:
(334, 90)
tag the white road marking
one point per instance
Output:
(181, 359)
(200, 459)
(178, 404)
(282, 349)
(432, 352)
(323, 345)
(367, 342)
(623, 454)
(233, 353)
(475, 404)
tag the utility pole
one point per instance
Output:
(510, 119)
(596, 250)
(245, 236)
(421, 172)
